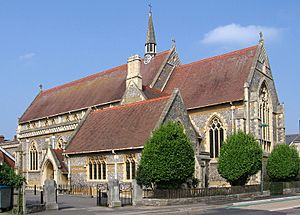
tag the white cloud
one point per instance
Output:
(27, 56)
(235, 34)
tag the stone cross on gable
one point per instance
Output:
(261, 37)
(173, 43)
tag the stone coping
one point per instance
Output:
(182, 201)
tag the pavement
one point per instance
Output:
(77, 205)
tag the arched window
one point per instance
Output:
(216, 137)
(33, 157)
(264, 116)
(97, 169)
(60, 143)
(130, 168)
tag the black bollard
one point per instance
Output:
(42, 197)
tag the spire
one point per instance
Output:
(150, 31)
(150, 45)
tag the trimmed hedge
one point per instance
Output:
(283, 163)
(240, 158)
(167, 159)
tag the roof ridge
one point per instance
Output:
(86, 78)
(132, 104)
(217, 56)
(292, 135)
(89, 77)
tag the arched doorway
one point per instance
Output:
(49, 171)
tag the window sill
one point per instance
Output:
(97, 180)
(214, 160)
(33, 171)
(127, 180)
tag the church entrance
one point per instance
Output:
(49, 171)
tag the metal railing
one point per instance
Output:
(200, 192)
(77, 189)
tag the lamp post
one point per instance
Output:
(262, 125)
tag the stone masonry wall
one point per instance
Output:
(33, 177)
(79, 166)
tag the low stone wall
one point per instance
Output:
(35, 208)
(181, 201)
(287, 191)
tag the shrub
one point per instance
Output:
(8, 177)
(167, 159)
(283, 163)
(240, 157)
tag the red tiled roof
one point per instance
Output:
(214, 80)
(96, 89)
(151, 93)
(60, 157)
(5, 159)
(119, 127)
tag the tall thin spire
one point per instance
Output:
(150, 31)
(150, 45)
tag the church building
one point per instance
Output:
(93, 129)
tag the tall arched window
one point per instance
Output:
(33, 157)
(97, 169)
(130, 168)
(264, 116)
(216, 137)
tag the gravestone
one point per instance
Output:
(50, 195)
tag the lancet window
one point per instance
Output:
(33, 157)
(216, 137)
(97, 169)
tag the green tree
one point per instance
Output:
(240, 157)
(167, 159)
(283, 163)
(8, 177)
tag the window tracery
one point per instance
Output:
(216, 137)
(60, 143)
(33, 157)
(97, 169)
(264, 116)
(130, 168)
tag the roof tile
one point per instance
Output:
(96, 89)
(214, 80)
(119, 127)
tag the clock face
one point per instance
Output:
(147, 58)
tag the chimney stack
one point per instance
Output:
(134, 71)
(1, 139)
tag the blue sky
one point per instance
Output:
(54, 42)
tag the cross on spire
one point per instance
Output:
(150, 45)
(150, 9)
